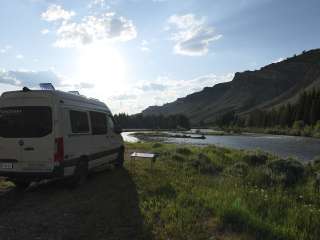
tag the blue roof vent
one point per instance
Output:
(46, 86)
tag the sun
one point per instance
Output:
(101, 65)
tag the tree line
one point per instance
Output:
(306, 111)
(302, 115)
(139, 121)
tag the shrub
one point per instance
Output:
(256, 159)
(298, 125)
(178, 158)
(184, 151)
(241, 220)
(238, 169)
(290, 171)
(205, 165)
(203, 157)
(261, 177)
(165, 191)
(157, 145)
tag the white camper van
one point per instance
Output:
(47, 134)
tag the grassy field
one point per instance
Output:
(216, 193)
(191, 193)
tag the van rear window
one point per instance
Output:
(79, 122)
(25, 122)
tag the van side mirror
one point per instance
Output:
(117, 129)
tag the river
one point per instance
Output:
(302, 148)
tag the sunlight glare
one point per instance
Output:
(101, 65)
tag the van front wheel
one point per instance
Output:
(120, 159)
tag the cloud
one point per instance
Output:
(45, 31)
(55, 13)
(122, 97)
(99, 3)
(5, 49)
(29, 78)
(161, 90)
(19, 56)
(278, 60)
(191, 35)
(144, 47)
(83, 85)
(32, 79)
(154, 87)
(107, 26)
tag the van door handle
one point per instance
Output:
(29, 149)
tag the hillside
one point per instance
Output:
(270, 86)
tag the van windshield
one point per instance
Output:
(25, 122)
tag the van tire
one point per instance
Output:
(21, 185)
(120, 159)
(80, 174)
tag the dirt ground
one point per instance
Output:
(105, 207)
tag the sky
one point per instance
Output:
(132, 54)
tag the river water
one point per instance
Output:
(302, 148)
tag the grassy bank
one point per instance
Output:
(215, 193)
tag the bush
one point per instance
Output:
(238, 169)
(261, 177)
(184, 151)
(256, 159)
(178, 158)
(241, 220)
(164, 191)
(157, 145)
(290, 171)
(298, 125)
(205, 165)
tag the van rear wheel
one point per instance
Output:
(80, 174)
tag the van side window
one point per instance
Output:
(79, 122)
(110, 123)
(98, 123)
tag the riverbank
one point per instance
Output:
(307, 131)
(191, 193)
(304, 149)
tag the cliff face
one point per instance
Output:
(268, 87)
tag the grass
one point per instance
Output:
(217, 193)
(5, 184)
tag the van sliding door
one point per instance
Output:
(100, 139)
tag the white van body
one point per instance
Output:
(45, 134)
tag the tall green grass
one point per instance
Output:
(218, 193)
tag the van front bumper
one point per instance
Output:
(33, 176)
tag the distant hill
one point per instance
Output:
(272, 85)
